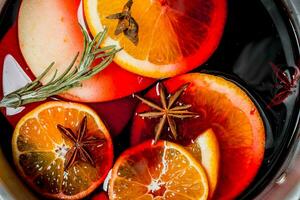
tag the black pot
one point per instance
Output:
(257, 33)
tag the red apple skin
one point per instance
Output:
(49, 32)
(115, 114)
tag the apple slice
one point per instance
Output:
(116, 114)
(49, 32)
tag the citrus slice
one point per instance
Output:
(158, 171)
(174, 36)
(205, 148)
(41, 152)
(231, 114)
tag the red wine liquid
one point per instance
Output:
(251, 42)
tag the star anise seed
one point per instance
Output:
(127, 24)
(286, 85)
(168, 110)
(79, 149)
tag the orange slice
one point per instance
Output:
(231, 114)
(205, 149)
(174, 36)
(40, 149)
(161, 171)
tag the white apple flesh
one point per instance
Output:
(49, 32)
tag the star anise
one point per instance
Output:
(79, 150)
(127, 23)
(168, 110)
(286, 85)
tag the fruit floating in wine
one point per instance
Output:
(194, 136)
(116, 113)
(174, 37)
(62, 150)
(56, 37)
(222, 106)
(158, 171)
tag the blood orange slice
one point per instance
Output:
(161, 171)
(174, 36)
(46, 158)
(231, 114)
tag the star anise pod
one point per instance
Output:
(286, 85)
(127, 23)
(168, 110)
(79, 150)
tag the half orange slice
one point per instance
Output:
(205, 149)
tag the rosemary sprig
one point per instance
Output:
(70, 78)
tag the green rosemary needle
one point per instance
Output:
(70, 78)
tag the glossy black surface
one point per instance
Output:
(251, 42)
